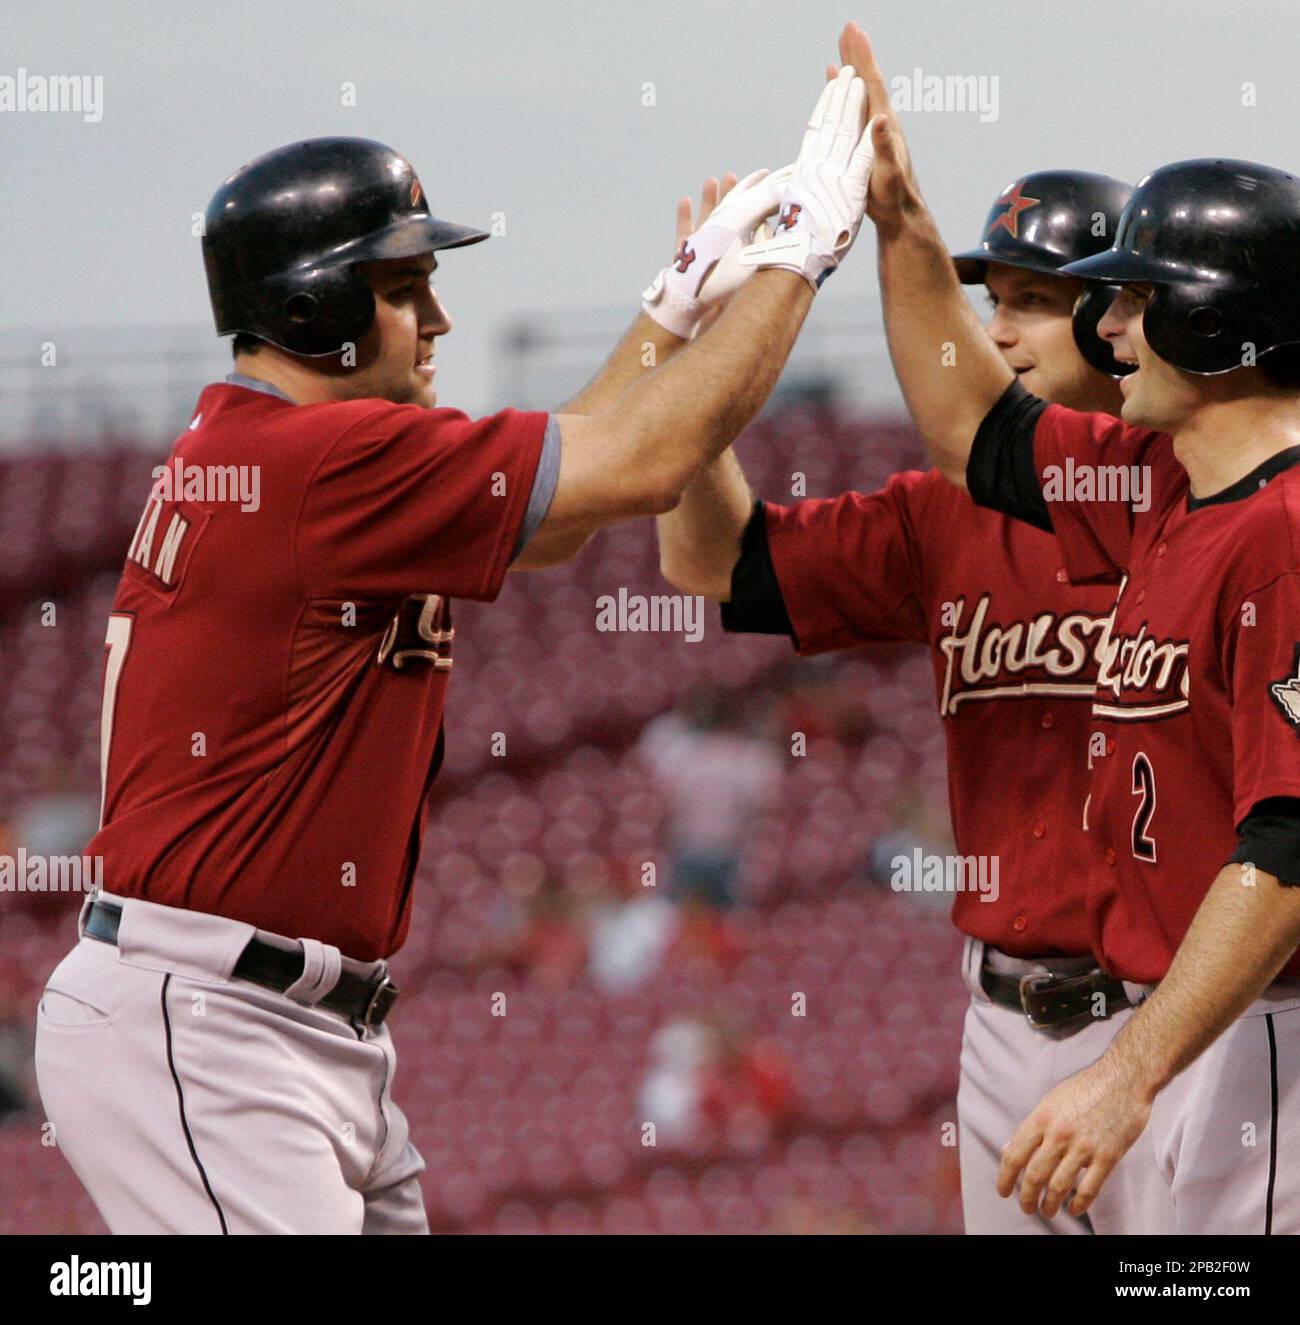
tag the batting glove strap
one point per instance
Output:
(673, 298)
(799, 251)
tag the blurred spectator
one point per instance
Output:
(811, 702)
(16, 1085)
(705, 934)
(629, 936)
(916, 826)
(539, 925)
(58, 820)
(672, 1093)
(706, 1074)
(747, 1089)
(554, 948)
(715, 779)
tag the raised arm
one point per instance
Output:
(637, 456)
(647, 343)
(950, 372)
(644, 346)
(699, 539)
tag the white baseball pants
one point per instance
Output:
(191, 1102)
(1006, 1068)
(1225, 1133)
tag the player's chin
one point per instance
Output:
(422, 392)
(1036, 382)
(1135, 409)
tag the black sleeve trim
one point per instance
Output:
(1001, 473)
(756, 606)
(1269, 839)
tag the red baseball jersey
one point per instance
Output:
(275, 676)
(1197, 712)
(1015, 649)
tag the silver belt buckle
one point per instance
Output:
(1031, 984)
(384, 996)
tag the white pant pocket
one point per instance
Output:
(67, 1011)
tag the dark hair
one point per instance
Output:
(243, 343)
(1281, 367)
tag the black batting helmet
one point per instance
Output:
(1220, 242)
(1045, 220)
(283, 235)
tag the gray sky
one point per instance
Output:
(535, 110)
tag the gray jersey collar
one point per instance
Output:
(255, 384)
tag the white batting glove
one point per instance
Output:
(706, 270)
(825, 199)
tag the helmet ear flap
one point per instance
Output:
(1192, 333)
(1089, 309)
(314, 312)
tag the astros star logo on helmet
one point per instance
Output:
(1016, 203)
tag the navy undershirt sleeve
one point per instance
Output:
(1269, 839)
(1001, 473)
(757, 606)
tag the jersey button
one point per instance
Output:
(1160, 549)
(1040, 830)
(1141, 595)
(1110, 856)
(1061, 576)
(1110, 745)
(1018, 924)
(1048, 720)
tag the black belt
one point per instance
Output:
(365, 1002)
(1054, 1000)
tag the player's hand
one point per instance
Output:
(822, 205)
(711, 193)
(893, 182)
(1070, 1143)
(705, 272)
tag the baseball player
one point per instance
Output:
(1015, 652)
(1189, 507)
(213, 1052)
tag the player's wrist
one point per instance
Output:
(912, 226)
(647, 330)
(672, 310)
(799, 251)
(1140, 1070)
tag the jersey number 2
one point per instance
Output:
(1144, 785)
(117, 642)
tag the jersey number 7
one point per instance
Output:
(117, 642)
